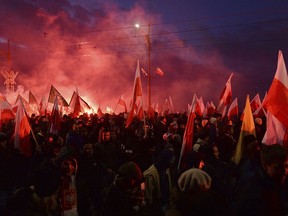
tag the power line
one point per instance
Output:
(159, 36)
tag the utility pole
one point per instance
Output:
(148, 39)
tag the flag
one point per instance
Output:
(55, 93)
(247, 128)
(137, 92)
(159, 72)
(166, 107)
(276, 101)
(210, 107)
(32, 99)
(144, 72)
(260, 111)
(6, 112)
(233, 109)
(226, 97)
(99, 112)
(42, 109)
(78, 104)
(122, 103)
(33, 104)
(140, 114)
(187, 141)
(157, 108)
(171, 105)
(55, 121)
(255, 103)
(26, 105)
(275, 131)
(22, 131)
(109, 110)
(199, 106)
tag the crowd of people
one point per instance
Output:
(95, 166)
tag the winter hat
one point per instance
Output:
(129, 175)
(213, 120)
(173, 124)
(204, 122)
(258, 121)
(164, 159)
(167, 137)
(46, 181)
(193, 180)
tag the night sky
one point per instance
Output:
(93, 46)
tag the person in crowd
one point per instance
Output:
(159, 183)
(264, 191)
(197, 154)
(75, 139)
(161, 128)
(126, 194)
(250, 160)
(40, 198)
(193, 196)
(89, 181)
(215, 168)
(260, 129)
(68, 191)
(175, 139)
(213, 131)
(7, 179)
(106, 150)
(227, 144)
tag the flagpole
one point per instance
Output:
(116, 106)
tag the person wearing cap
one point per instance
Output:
(126, 193)
(193, 196)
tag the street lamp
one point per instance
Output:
(148, 41)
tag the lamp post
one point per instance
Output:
(148, 41)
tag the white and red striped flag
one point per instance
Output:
(276, 101)
(137, 92)
(55, 121)
(159, 72)
(233, 109)
(22, 131)
(225, 97)
(122, 103)
(255, 103)
(187, 142)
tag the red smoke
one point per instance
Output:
(95, 51)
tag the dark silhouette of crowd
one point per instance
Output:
(95, 166)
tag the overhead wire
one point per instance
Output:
(159, 36)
